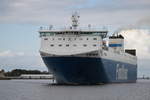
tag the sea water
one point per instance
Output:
(44, 90)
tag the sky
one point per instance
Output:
(20, 21)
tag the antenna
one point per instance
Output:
(41, 28)
(75, 18)
(50, 27)
(89, 26)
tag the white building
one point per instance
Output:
(36, 76)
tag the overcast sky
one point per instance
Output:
(20, 20)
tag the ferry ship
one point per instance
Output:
(82, 56)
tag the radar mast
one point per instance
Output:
(75, 18)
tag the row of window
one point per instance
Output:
(92, 54)
(70, 39)
(67, 45)
(75, 33)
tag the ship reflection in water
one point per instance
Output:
(43, 90)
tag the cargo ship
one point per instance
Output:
(78, 55)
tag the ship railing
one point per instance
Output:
(104, 29)
(100, 31)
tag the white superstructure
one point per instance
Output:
(84, 43)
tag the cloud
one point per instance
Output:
(138, 39)
(9, 53)
(116, 5)
(85, 4)
(10, 60)
(144, 21)
(34, 11)
(56, 12)
(143, 67)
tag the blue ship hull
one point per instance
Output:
(83, 70)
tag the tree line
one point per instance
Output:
(18, 72)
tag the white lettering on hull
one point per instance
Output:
(121, 72)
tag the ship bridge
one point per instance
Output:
(97, 32)
(73, 29)
(73, 40)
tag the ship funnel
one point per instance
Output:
(117, 42)
(75, 18)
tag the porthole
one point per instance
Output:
(84, 45)
(59, 38)
(52, 45)
(94, 45)
(67, 45)
(80, 39)
(60, 45)
(74, 45)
